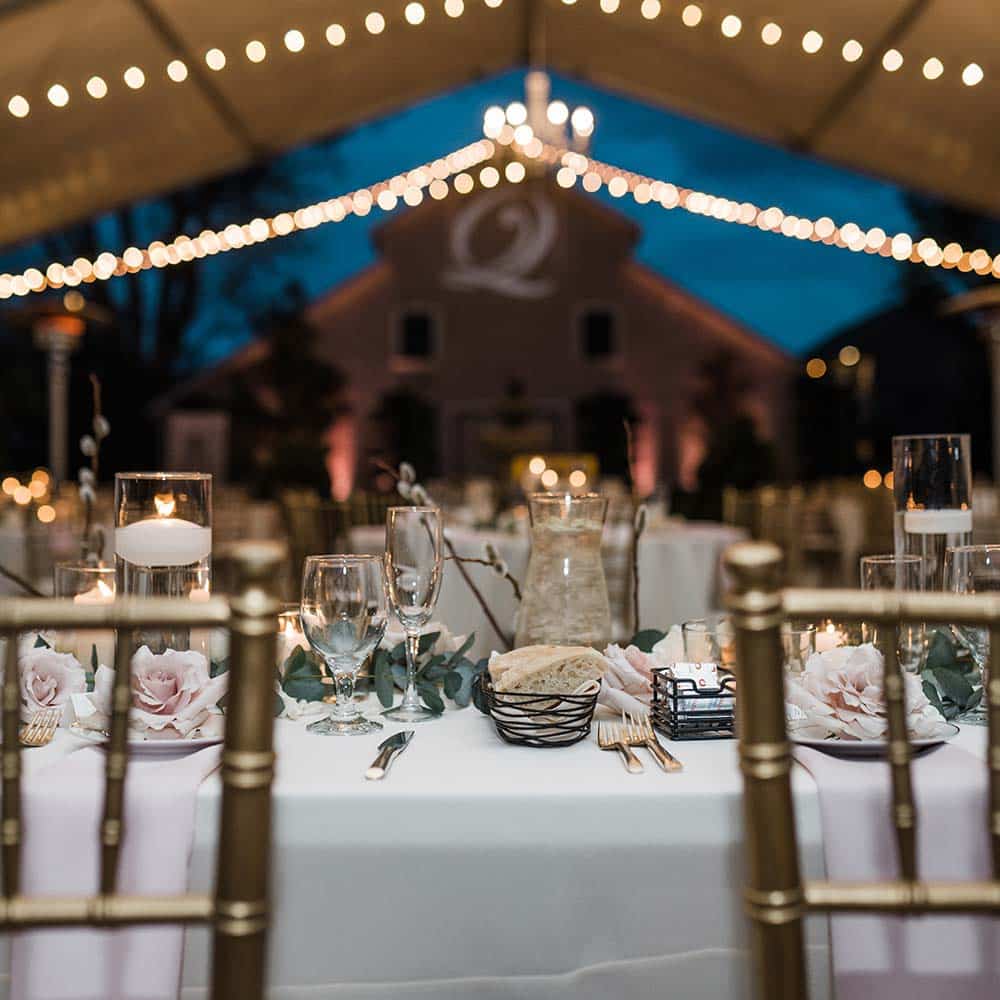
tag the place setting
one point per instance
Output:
(499, 499)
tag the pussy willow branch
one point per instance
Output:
(514, 585)
(389, 470)
(636, 528)
(86, 541)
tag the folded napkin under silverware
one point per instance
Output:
(389, 750)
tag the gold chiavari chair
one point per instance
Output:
(238, 909)
(776, 898)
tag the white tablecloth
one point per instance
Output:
(679, 576)
(482, 871)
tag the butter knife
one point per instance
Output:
(389, 750)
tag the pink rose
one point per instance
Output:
(172, 694)
(47, 678)
(840, 694)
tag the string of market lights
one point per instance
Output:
(692, 15)
(403, 188)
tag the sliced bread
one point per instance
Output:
(546, 669)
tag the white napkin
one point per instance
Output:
(908, 958)
(62, 812)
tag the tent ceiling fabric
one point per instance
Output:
(65, 164)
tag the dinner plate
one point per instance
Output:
(149, 748)
(873, 748)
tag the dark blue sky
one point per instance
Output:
(794, 293)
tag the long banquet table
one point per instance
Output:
(482, 871)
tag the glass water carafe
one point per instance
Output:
(565, 597)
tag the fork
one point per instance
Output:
(41, 727)
(610, 737)
(639, 733)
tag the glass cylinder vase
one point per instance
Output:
(932, 484)
(86, 583)
(163, 544)
(565, 596)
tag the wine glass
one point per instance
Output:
(897, 572)
(974, 569)
(344, 617)
(413, 560)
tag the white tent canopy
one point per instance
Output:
(65, 163)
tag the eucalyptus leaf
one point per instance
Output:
(295, 662)
(462, 650)
(95, 661)
(954, 686)
(647, 639)
(40, 643)
(399, 676)
(427, 642)
(452, 683)
(469, 672)
(89, 680)
(219, 667)
(434, 669)
(398, 652)
(383, 681)
(940, 651)
(430, 697)
(279, 705)
(305, 688)
(931, 693)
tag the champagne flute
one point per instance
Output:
(344, 617)
(413, 561)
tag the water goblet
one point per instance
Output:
(343, 615)
(897, 572)
(413, 563)
(974, 569)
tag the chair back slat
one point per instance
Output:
(239, 910)
(776, 897)
(116, 767)
(10, 824)
(242, 883)
(992, 695)
(904, 814)
(773, 897)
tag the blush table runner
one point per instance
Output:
(918, 957)
(62, 803)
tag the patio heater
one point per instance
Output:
(57, 327)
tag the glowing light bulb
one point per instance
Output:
(972, 75)
(892, 60)
(557, 113)
(691, 16)
(336, 35)
(852, 50)
(414, 13)
(18, 106)
(771, 33)
(610, 6)
(58, 95)
(731, 26)
(812, 42)
(454, 8)
(177, 71)
(577, 478)
(582, 121)
(549, 478)
(256, 51)
(295, 41)
(650, 9)
(97, 88)
(517, 113)
(215, 59)
(933, 68)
